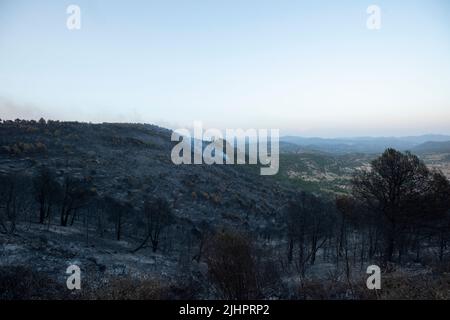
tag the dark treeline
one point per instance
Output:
(397, 210)
(48, 199)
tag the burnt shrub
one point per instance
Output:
(22, 283)
(232, 266)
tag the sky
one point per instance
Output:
(309, 68)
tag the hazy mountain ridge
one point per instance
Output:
(363, 144)
(432, 147)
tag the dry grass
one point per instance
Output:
(394, 286)
(22, 283)
(125, 288)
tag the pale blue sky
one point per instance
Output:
(305, 67)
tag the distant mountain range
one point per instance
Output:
(433, 147)
(419, 144)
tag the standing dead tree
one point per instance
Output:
(157, 215)
(75, 195)
(118, 214)
(13, 200)
(309, 221)
(46, 191)
(404, 197)
(232, 266)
